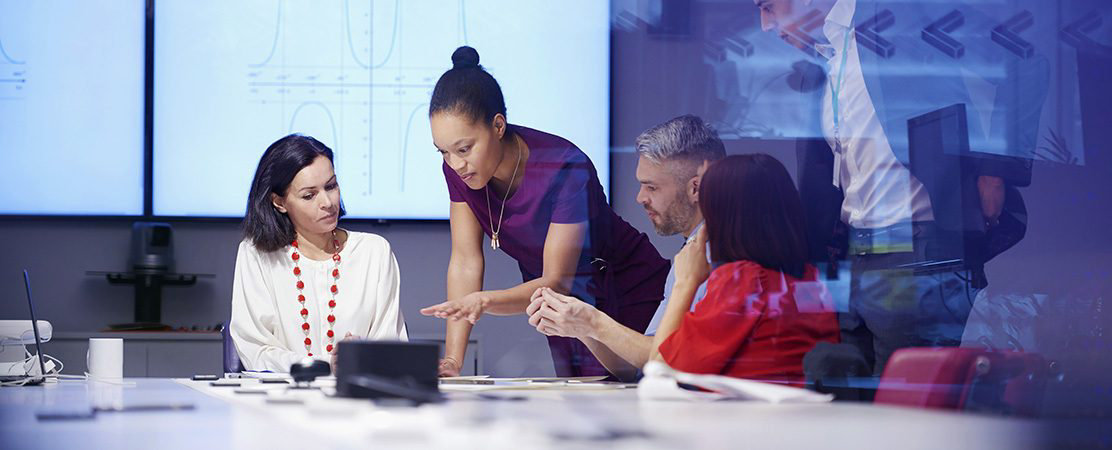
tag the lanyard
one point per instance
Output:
(834, 89)
(834, 105)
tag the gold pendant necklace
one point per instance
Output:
(494, 244)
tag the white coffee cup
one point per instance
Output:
(105, 358)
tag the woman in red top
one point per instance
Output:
(764, 306)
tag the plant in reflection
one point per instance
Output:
(1055, 149)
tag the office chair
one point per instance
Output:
(232, 364)
(969, 379)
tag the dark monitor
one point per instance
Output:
(939, 156)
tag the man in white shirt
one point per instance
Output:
(886, 209)
(672, 158)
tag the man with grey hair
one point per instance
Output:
(672, 158)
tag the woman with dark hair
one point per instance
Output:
(765, 306)
(300, 281)
(539, 199)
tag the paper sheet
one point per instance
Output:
(662, 383)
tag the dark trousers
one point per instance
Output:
(896, 300)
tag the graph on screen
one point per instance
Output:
(358, 76)
(71, 107)
(14, 75)
(310, 89)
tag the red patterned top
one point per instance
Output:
(753, 323)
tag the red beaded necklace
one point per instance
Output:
(331, 303)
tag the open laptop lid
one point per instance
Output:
(34, 324)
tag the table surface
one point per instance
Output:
(580, 418)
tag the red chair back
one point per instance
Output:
(964, 379)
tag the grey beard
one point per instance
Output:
(676, 220)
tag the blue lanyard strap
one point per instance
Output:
(834, 90)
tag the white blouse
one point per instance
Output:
(266, 321)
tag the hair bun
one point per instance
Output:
(465, 57)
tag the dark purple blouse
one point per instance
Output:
(619, 270)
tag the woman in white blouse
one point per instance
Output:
(301, 283)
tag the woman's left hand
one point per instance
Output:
(336, 352)
(469, 307)
(691, 264)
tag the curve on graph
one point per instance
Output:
(8, 57)
(273, 45)
(327, 112)
(393, 35)
(405, 145)
(351, 42)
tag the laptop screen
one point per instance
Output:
(34, 324)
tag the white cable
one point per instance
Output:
(57, 370)
(17, 382)
(54, 375)
(22, 381)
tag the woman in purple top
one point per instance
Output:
(539, 199)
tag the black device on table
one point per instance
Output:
(86, 413)
(308, 369)
(382, 370)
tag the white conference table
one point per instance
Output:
(521, 419)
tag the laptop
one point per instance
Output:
(38, 340)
